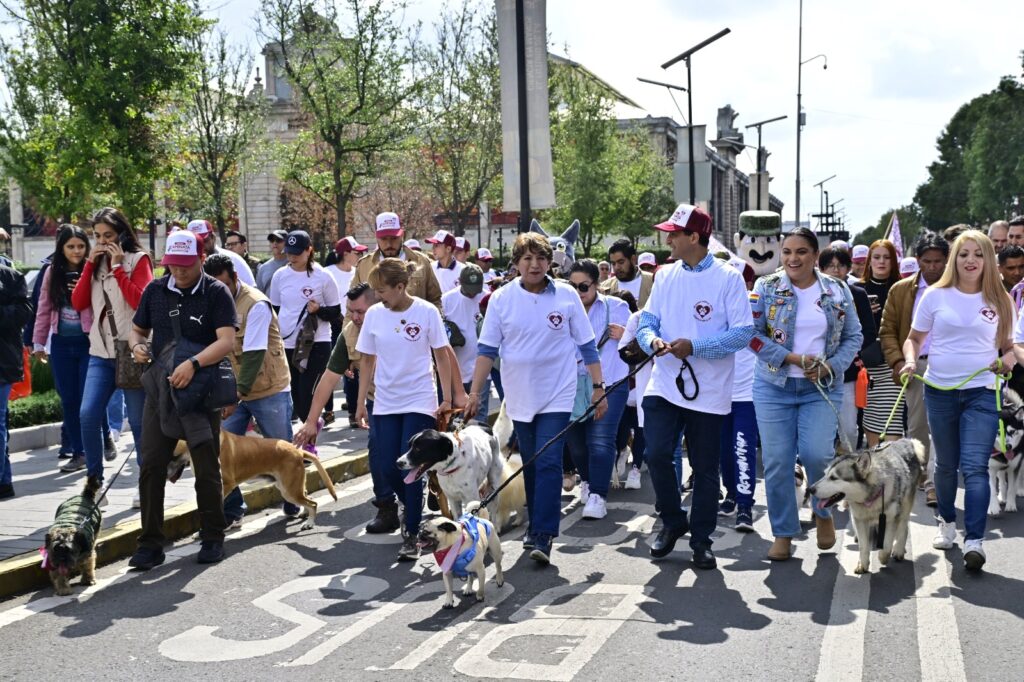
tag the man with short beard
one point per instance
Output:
(628, 277)
(932, 251)
(422, 283)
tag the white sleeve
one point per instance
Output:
(257, 327)
(491, 334)
(274, 289)
(243, 271)
(437, 337)
(737, 304)
(924, 317)
(332, 296)
(1018, 330)
(366, 343)
(630, 333)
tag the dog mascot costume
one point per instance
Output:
(564, 247)
(759, 241)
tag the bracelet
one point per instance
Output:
(473, 395)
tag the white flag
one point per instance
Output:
(895, 237)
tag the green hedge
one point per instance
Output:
(42, 376)
(34, 410)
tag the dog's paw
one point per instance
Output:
(994, 510)
(308, 525)
(63, 591)
(499, 583)
(859, 570)
(898, 556)
(479, 597)
(448, 605)
(883, 557)
(1011, 506)
(87, 581)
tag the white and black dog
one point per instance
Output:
(466, 461)
(1004, 468)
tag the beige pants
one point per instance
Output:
(917, 421)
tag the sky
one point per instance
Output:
(897, 71)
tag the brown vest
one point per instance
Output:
(274, 375)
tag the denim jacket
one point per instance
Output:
(774, 307)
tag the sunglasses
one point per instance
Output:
(582, 287)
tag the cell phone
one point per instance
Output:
(873, 298)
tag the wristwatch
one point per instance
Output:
(195, 363)
(600, 386)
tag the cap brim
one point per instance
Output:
(179, 260)
(434, 241)
(473, 289)
(294, 250)
(390, 233)
(360, 248)
(668, 226)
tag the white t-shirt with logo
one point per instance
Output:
(464, 313)
(810, 325)
(291, 290)
(693, 305)
(341, 278)
(448, 277)
(962, 330)
(536, 336)
(403, 342)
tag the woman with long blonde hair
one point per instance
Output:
(968, 317)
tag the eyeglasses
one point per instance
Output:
(582, 287)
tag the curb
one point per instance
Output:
(22, 573)
(34, 437)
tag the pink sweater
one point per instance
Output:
(47, 316)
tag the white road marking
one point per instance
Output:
(842, 648)
(938, 637)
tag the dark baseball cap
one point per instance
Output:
(471, 279)
(297, 242)
(277, 236)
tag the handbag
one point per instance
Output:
(872, 355)
(127, 372)
(632, 353)
(211, 387)
(455, 337)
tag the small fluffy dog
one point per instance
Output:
(465, 462)
(459, 548)
(70, 545)
(1004, 468)
(878, 481)
(243, 458)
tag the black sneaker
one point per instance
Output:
(211, 552)
(64, 454)
(528, 541)
(146, 558)
(6, 491)
(727, 507)
(408, 551)
(109, 449)
(328, 417)
(541, 552)
(76, 463)
(291, 510)
(744, 520)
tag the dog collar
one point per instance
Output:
(449, 472)
(874, 497)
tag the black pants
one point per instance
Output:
(303, 383)
(157, 450)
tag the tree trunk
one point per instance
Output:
(340, 198)
(218, 210)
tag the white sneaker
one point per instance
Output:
(595, 508)
(624, 455)
(974, 555)
(945, 536)
(115, 435)
(584, 492)
(633, 480)
(136, 502)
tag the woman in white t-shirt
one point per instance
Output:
(806, 332)
(968, 317)
(303, 291)
(340, 264)
(536, 324)
(401, 339)
(592, 443)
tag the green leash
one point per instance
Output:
(905, 379)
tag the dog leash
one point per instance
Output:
(824, 385)
(583, 417)
(905, 380)
(96, 502)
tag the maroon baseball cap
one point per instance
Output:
(687, 218)
(443, 237)
(348, 244)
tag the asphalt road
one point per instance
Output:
(332, 604)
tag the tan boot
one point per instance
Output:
(781, 549)
(826, 532)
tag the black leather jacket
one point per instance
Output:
(15, 312)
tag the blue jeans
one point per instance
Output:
(69, 358)
(739, 454)
(592, 443)
(964, 425)
(5, 457)
(496, 380)
(115, 411)
(382, 491)
(542, 478)
(794, 419)
(351, 388)
(390, 439)
(273, 417)
(99, 386)
(664, 424)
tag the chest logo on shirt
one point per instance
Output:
(989, 314)
(307, 291)
(556, 320)
(412, 331)
(197, 320)
(702, 311)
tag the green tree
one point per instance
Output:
(911, 224)
(101, 74)
(458, 147)
(356, 91)
(642, 188)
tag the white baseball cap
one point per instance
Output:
(413, 244)
(908, 266)
(860, 253)
(840, 244)
(443, 237)
(461, 243)
(484, 254)
(646, 258)
(182, 249)
(388, 225)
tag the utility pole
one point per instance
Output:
(800, 120)
(524, 142)
(762, 161)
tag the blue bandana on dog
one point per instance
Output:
(455, 559)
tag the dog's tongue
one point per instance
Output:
(412, 475)
(822, 504)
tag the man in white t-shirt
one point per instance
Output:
(484, 259)
(697, 317)
(446, 268)
(349, 252)
(626, 275)
(461, 307)
(204, 231)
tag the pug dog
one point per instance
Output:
(70, 544)
(459, 548)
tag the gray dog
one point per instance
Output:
(876, 482)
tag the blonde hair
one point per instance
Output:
(992, 290)
(390, 272)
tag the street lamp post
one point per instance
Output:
(821, 197)
(761, 165)
(799, 108)
(689, 102)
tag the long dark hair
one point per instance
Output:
(59, 267)
(126, 237)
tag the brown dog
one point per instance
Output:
(242, 458)
(70, 545)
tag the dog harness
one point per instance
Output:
(456, 560)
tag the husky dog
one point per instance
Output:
(878, 481)
(466, 462)
(459, 548)
(70, 545)
(1004, 468)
